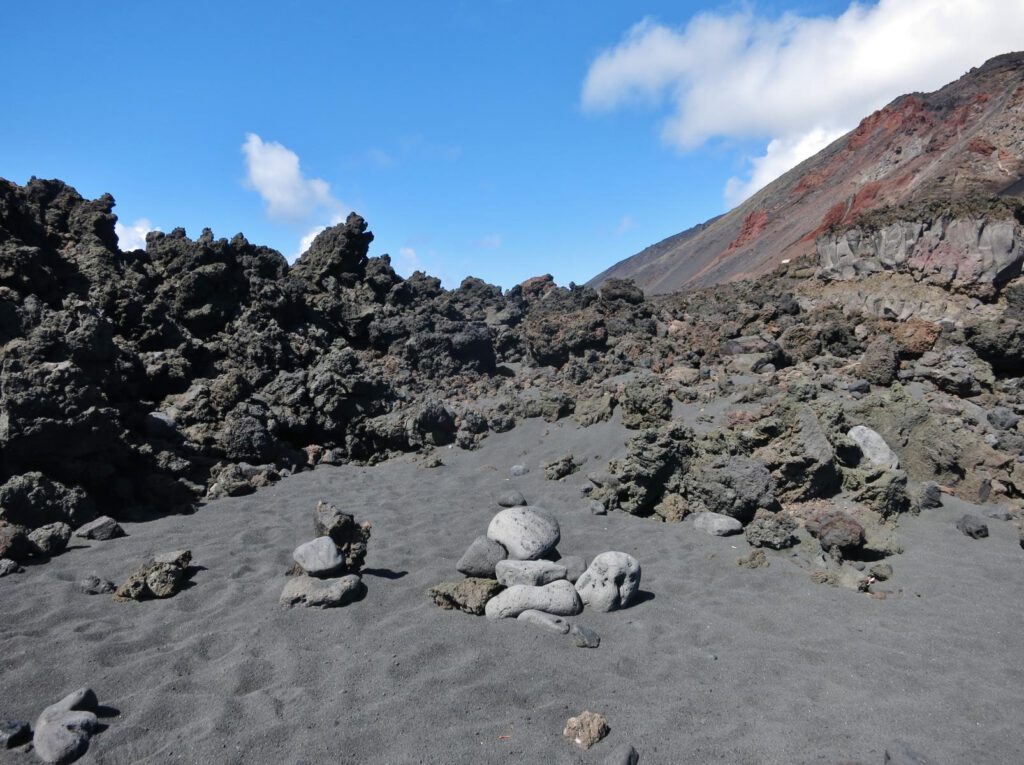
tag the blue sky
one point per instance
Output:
(498, 139)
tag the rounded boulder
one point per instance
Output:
(526, 532)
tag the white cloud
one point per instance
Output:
(782, 154)
(489, 242)
(626, 224)
(795, 80)
(273, 171)
(406, 262)
(133, 237)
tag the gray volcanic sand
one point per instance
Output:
(719, 664)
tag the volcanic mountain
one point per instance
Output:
(963, 140)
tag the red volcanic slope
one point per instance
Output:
(964, 139)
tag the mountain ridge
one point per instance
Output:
(965, 138)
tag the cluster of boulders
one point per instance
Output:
(326, 569)
(516, 571)
(19, 543)
(62, 731)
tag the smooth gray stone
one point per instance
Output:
(8, 566)
(50, 539)
(972, 526)
(101, 529)
(574, 567)
(532, 572)
(481, 557)
(716, 524)
(559, 598)
(610, 582)
(14, 733)
(93, 585)
(518, 470)
(319, 557)
(597, 508)
(624, 754)
(873, 447)
(63, 730)
(547, 622)
(526, 532)
(321, 593)
(584, 637)
(512, 498)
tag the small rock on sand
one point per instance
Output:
(481, 557)
(901, 754)
(546, 622)
(63, 730)
(94, 585)
(755, 559)
(518, 470)
(972, 526)
(584, 637)
(14, 733)
(470, 595)
(716, 524)
(8, 566)
(526, 532)
(533, 572)
(624, 754)
(597, 507)
(559, 598)
(322, 593)
(101, 529)
(929, 496)
(512, 498)
(586, 729)
(319, 557)
(773, 530)
(610, 582)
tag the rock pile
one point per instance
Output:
(516, 571)
(326, 570)
(161, 577)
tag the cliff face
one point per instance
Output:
(966, 139)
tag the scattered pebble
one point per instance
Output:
(512, 498)
(597, 507)
(518, 470)
(94, 585)
(584, 637)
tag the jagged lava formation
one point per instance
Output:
(965, 140)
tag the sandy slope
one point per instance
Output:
(721, 665)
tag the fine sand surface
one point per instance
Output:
(718, 664)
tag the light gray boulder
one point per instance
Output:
(8, 566)
(526, 532)
(873, 447)
(546, 622)
(319, 557)
(101, 529)
(322, 593)
(610, 582)
(481, 557)
(559, 598)
(533, 572)
(63, 730)
(716, 524)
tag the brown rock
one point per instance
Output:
(469, 595)
(755, 559)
